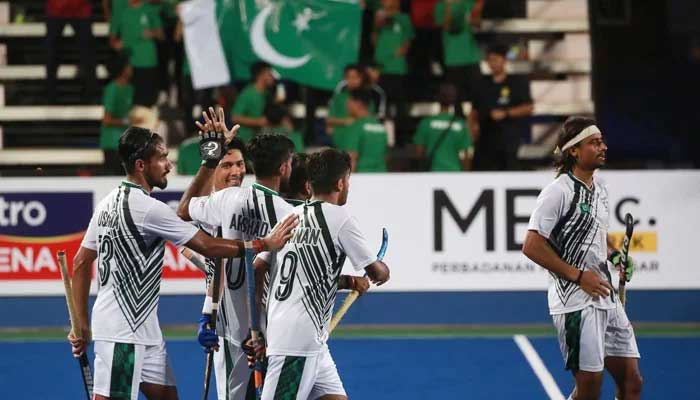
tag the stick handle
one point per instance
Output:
(194, 259)
(68, 290)
(351, 297)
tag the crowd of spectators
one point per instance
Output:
(405, 45)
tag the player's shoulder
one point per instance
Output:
(600, 182)
(561, 185)
(334, 214)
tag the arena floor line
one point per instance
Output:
(380, 368)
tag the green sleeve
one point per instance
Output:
(334, 106)
(109, 99)
(154, 19)
(410, 34)
(241, 105)
(420, 135)
(353, 138)
(439, 13)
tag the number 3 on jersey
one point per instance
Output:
(287, 273)
(106, 254)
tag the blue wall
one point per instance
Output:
(393, 308)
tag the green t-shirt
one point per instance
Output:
(250, 103)
(446, 157)
(116, 100)
(459, 44)
(133, 22)
(118, 7)
(391, 37)
(338, 108)
(188, 158)
(369, 141)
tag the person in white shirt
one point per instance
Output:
(568, 235)
(126, 236)
(306, 279)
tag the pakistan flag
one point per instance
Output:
(307, 41)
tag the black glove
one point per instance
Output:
(255, 350)
(211, 148)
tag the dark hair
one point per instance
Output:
(356, 67)
(326, 168)
(116, 65)
(446, 94)
(363, 96)
(564, 162)
(275, 113)
(268, 152)
(257, 68)
(300, 174)
(137, 144)
(236, 144)
(497, 48)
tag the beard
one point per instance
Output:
(161, 182)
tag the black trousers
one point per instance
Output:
(145, 86)
(85, 42)
(393, 86)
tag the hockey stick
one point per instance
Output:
(215, 297)
(75, 324)
(352, 296)
(629, 228)
(253, 314)
(194, 259)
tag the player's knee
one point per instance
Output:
(633, 383)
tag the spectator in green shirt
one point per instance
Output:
(280, 122)
(461, 52)
(393, 32)
(368, 141)
(136, 33)
(117, 99)
(339, 119)
(448, 132)
(249, 107)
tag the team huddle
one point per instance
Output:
(293, 218)
(301, 245)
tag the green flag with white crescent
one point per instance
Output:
(307, 41)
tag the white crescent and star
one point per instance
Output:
(263, 48)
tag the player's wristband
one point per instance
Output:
(208, 305)
(257, 245)
(578, 279)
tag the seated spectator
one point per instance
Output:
(367, 140)
(443, 140)
(338, 118)
(460, 50)
(117, 99)
(250, 105)
(500, 115)
(393, 33)
(280, 122)
(77, 14)
(136, 33)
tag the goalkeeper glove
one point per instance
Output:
(211, 148)
(616, 258)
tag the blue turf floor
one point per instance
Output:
(468, 368)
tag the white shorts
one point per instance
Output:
(587, 336)
(302, 378)
(232, 373)
(121, 367)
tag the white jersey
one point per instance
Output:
(305, 281)
(574, 219)
(128, 230)
(244, 214)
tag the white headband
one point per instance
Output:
(590, 131)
